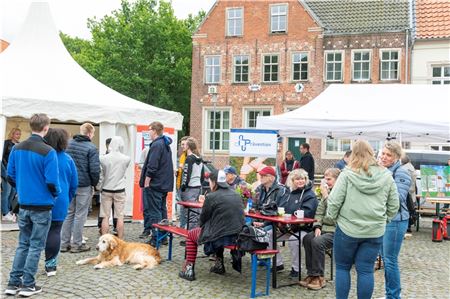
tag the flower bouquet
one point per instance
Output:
(245, 191)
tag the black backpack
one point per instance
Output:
(252, 238)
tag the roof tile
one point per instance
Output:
(432, 19)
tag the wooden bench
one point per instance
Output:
(169, 231)
(264, 257)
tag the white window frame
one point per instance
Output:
(278, 14)
(442, 78)
(353, 52)
(205, 80)
(307, 66)
(399, 51)
(247, 109)
(326, 62)
(206, 130)
(234, 68)
(232, 20)
(337, 154)
(263, 66)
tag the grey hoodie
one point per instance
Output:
(114, 165)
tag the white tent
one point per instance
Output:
(419, 113)
(37, 74)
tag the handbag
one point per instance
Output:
(252, 238)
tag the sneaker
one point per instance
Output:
(12, 290)
(188, 272)
(65, 248)
(219, 267)
(293, 273)
(280, 268)
(50, 271)
(81, 248)
(144, 235)
(29, 291)
(9, 217)
(84, 240)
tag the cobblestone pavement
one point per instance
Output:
(424, 265)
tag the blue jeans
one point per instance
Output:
(155, 208)
(392, 242)
(359, 251)
(33, 226)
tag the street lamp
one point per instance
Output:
(212, 90)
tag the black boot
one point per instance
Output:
(219, 267)
(188, 272)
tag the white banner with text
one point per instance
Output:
(253, 143)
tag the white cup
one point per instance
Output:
(287, 216)
(280, 211)
(299, 214)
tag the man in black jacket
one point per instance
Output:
(307, 161)
(156, 178)
(85, 155)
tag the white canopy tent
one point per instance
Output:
(38, 75)
(417, 113)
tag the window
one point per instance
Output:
(333, 62)
(389, 65)
(441, 75)
(241, 68)
(299, 66)
(234, 21)
(252, 114)
(212, 69)
(338, 145)
(217, 137)
(278, 18)
(361, 65)
(270, 66)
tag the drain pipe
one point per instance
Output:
(407, 56)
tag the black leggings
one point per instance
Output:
(53, 240)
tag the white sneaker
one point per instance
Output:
(9, 217)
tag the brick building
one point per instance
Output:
(258, 55)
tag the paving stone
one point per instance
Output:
(424, 269)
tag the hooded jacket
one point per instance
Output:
(85, 155)
(159, 166)
(277, 193)
(362, 203)
(193, 174)
(114, 165)
(403, 182)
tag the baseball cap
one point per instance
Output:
(230, 169)
(220, 178)
(267, 170)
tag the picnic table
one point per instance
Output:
(437, 201)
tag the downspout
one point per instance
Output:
(407, 56)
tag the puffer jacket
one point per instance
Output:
(86, 158)
(222, 215)
(403, 182)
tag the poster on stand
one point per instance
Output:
(435, 180)
(143, 142)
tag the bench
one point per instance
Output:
(169, 231)
(262, 257)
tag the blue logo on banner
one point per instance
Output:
(243, 142)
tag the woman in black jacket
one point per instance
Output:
(221, 220)
(302, 197)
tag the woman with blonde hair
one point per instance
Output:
(396, 229)
(362, 201)
(301, 197)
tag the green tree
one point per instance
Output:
(143, 51)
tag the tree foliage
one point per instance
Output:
(143, 51)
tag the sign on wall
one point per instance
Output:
(253, 143)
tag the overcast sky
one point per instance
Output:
(71, 16)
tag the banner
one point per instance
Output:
(143, 141)
(435, 180)
(253, 143)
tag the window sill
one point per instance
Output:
(333, 82)
(234, 36)
(300, 81)
(389, 81)
(361, 81)
(270, 83)
(240, 83)
(278, 33)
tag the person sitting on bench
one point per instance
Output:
(221, 220)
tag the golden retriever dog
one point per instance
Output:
(116, 252)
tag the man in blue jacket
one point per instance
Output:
(86, 158)
(156, 178)
(33, 171)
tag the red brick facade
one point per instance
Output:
(303, 35)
